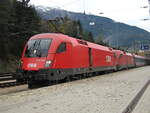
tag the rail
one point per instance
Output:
(8, 80)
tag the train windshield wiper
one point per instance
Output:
(32, 48)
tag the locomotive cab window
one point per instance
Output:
(38, 48)
(61, 48)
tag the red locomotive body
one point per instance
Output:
(52, 56)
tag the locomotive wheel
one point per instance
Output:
(33, 84)
(68, 79)
(30, 85)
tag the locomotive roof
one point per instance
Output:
(70, 39)
(97, 46)
(49, 35)
(75, 42)
(129, 54)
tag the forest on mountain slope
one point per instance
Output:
(114, 33)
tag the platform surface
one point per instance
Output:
(109, 93)
(143, 105)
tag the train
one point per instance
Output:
(54, 56)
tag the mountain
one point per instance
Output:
(115, 33)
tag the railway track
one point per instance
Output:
(8, 80)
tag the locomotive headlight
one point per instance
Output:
(48, 63)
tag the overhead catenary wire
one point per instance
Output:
(149, 6)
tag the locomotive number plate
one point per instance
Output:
(32, 65)
(108, 58)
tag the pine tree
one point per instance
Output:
(5, 12)
(100, 40)
(90, 37)
(18, 22)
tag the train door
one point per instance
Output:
(90, 57)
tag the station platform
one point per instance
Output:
(109, 93)
(143, 105)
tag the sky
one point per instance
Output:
(125, 11)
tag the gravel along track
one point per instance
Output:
(14, 89)
(109, 93)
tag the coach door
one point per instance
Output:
(90, 57)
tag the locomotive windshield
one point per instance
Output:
(38, 48)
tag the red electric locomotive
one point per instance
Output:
(50, 56)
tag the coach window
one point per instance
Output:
(61, 48)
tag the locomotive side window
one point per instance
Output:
(61, 48)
